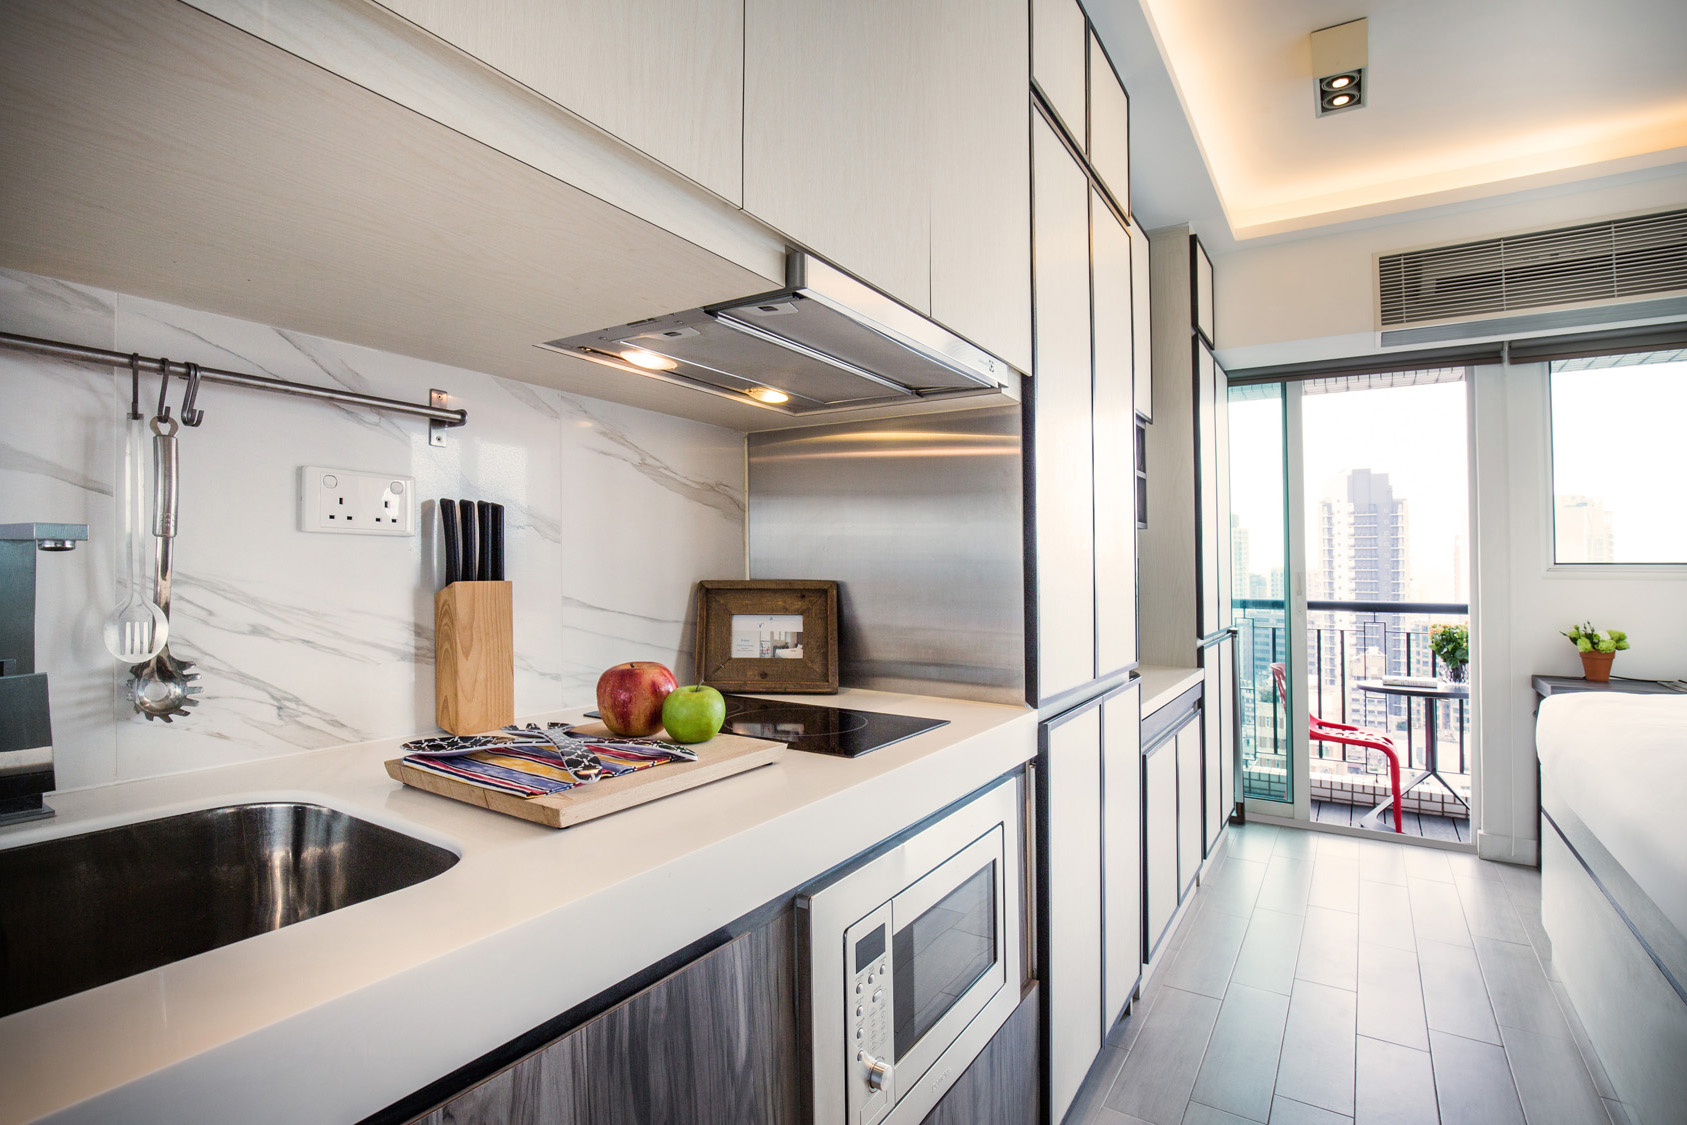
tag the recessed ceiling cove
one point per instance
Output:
(1462, 100)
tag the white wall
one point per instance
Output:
(1299, 298)
(1523, 602)
(305, 640)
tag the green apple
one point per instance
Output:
(694, 713)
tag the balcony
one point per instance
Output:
(1349, 643)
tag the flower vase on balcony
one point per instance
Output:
(1597, 650)
(1451, 645)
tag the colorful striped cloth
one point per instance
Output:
(530, 762)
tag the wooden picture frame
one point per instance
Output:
(737, 653)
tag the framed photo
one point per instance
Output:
(772, 636)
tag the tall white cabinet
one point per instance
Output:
(1081, 411)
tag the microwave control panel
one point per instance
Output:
(867, 1016)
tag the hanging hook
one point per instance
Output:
(191, 416)
(163, 414)
(134, 386)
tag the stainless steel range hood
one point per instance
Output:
(825, 342)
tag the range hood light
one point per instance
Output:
(650, 361)
(768, 395)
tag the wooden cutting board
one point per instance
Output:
(722, 756)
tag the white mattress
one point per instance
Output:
(1620, 763)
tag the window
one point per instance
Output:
(1619, 478)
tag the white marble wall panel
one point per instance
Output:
(308, 640)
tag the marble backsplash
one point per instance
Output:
(308, 640)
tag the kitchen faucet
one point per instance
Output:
(26, 728)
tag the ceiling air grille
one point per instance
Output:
(1607, 261)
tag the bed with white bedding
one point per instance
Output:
(1614, 883)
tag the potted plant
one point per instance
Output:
(1451, 645)
(1597, 649)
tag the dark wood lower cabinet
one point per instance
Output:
(1002, 1086)
(717, 1041)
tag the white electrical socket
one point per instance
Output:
(345, 502)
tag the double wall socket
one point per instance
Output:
(344, 502)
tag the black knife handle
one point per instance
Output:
(483, 516)
(448, 526)
(498, 542)
(466, 526)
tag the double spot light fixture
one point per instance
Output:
(1339, 56)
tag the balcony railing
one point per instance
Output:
(1349, 641)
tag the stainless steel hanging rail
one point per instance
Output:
(439, 416)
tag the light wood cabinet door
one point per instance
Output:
(1226, 715)
(1212, 740)
(1201, 278)
(837, 150)
(1159, 810)
(1110, 130)
(1059, 35)
(1212, 610)
(665, 76)
(1071, 963)
(1114, 425)
(981, 174)
(1141, 322)
(1191, 848)
(1062, 463)
(1121, 850)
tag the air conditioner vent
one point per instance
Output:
(1607, 261)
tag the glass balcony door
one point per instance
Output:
(1259, 570)
(1348, 530)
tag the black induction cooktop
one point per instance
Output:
(843, 731)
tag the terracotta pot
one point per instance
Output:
(1596, 666)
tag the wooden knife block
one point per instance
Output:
(474, 657)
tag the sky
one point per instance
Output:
(1631, 459)
(1417, 435)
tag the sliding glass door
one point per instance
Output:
(1350, 578)
(1259, 569)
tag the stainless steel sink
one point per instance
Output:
(82, 911)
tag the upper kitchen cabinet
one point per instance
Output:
(1061, 496)
(1213, 606)
(836, 153)
(1142, 324)
(1110, 131)
(1059, 34)
(981, 175)
(1185, 564)
(433, 207)
(889, 137)
(1201, 278)
(665, 77)
(1114, 424)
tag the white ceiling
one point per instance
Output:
(1466, 99)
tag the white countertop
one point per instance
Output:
(1162, 683)
(339, 1016)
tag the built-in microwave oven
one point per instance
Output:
(912, 961)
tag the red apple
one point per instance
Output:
(630, 697)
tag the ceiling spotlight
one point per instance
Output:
(1339, 57)
(768, 395)
(650, 361)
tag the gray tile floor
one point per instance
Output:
(1319, 979)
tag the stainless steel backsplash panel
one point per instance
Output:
(919, 522)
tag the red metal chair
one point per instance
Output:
(1322, 730)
